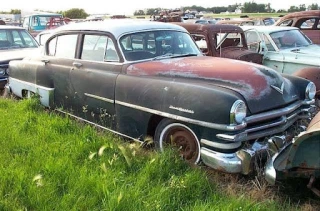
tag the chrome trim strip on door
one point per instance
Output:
(99, 98)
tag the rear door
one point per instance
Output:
(93, 77)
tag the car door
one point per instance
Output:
(93, 77)
(273, 57)
(58, 61)
(261, 43)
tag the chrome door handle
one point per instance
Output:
(45, 61)
(77, 64)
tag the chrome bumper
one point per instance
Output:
(238, 162)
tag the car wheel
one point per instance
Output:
(170, 132)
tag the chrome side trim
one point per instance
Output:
(99, 98)
(277, 113)
(185, 119)
(3, 79)
(96, 125)
(45, 93)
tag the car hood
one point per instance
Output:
(310, 53)
(17, 54)
(259, 85)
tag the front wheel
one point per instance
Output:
(169, 132)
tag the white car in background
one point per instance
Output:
(287, 50)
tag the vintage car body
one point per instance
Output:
(291, 162)
(42, 37)
(263, 21)
(307, 21)
(15, 44)
(227, 41)
(286, 50)
(38, 22)
(144, 78)
(238, 22)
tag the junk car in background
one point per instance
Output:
(307, 21)
(227, 41)
(145, 78)
(286, 50)
(39, 22)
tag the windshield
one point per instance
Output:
(268, 21)
(290, 39)
(152, 44)
(15, 39)
(228, 39)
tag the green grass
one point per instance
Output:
(50, 162)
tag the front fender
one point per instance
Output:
(188, 98)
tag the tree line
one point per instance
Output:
(247, 7)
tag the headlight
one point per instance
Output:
(238, 112)
(2, 71)
(310, 91)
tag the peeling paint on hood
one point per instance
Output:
(252, 81)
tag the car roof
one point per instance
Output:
(211, 27)
(10, 27)
(268, 29)
(119, 27)
(302, 14)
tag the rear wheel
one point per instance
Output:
(176, 134)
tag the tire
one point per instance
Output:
(170, 132)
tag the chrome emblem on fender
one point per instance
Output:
(280, 90)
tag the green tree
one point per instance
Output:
(251, 7)
(75, 13)
(314, 7)
(293, 9)
(15, 11)
(138, 12)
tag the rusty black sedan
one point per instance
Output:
(142, 79)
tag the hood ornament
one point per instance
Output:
(279, 89)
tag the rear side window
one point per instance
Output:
(63, 46)
(99, 48)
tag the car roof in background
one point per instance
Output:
(268, 29)
(10, 27)
(212, 27)
(119, 27)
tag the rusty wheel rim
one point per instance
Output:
(182, 138)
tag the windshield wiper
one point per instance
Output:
(170, 55)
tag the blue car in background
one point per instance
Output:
(39, 22)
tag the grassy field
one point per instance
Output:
(51, 162)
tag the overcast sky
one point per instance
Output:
(127, 7)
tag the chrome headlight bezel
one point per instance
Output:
(238, 112)
(310, 91)
(3, 71)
